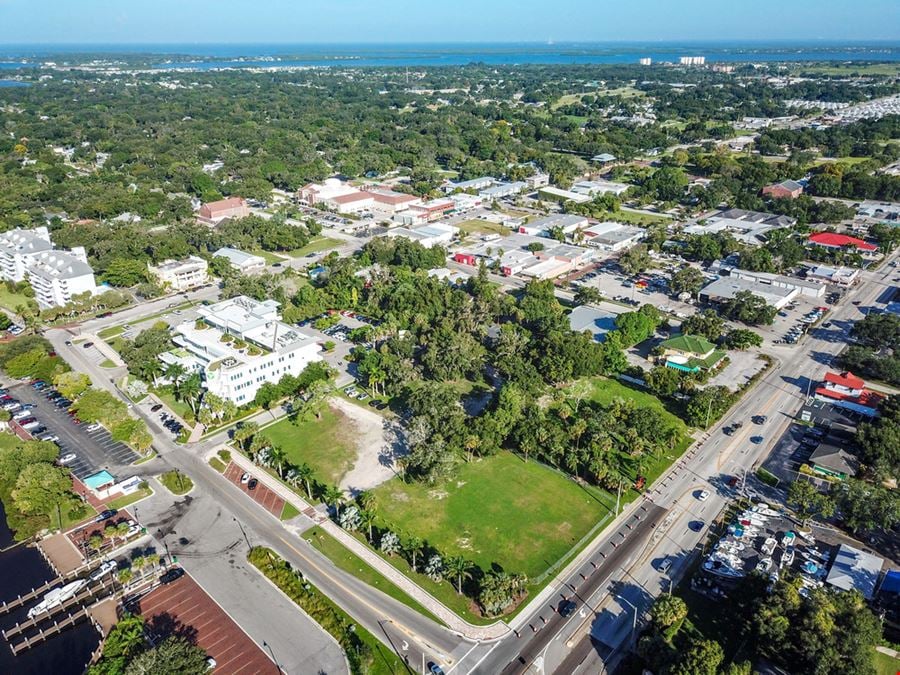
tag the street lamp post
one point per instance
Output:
(247, 540)
(162, 538)
(272, 654)
(633, 616)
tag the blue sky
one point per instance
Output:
(299, 21)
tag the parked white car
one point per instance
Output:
(68, 457)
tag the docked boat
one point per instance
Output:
(56, 597)
(768, 546)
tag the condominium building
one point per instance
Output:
(56, 276)
(180, 275)
(237, 345)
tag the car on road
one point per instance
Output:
(435, 669)
(156, 408)
(665, 565)
(105, 515)
(68, 457)
(252, 483)
(756, 440)
(567, 607)
(696, 525)
(88, 345)
(170, 575)
(703, 495)
(760, 419)
(106, 567)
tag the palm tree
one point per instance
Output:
(366, 500)
(367, 520)
(152, 368)
(413, 546)
(305, 473)
(189, 390)
(174, 373)
(278, 458)
(244, 433)
(258, 444)
(460, 568)
(333, 495)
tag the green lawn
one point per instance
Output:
(326, 444)
(477, 226)
(11, 300)
(886, 665)
(315, 246)
(332, 549)
(522, 516)
(107, 363)
(128, 500)
(287, 512)
(111, 332)
(269, 257)
(217, 464)
(176, 482)
(632, 218)
(180, 408)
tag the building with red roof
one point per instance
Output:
(214, 213)
(846, 390)
(835, 240)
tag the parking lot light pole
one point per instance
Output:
(633, 616)
(162, 538)
(249, 547)
(272, 654)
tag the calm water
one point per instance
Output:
(286, 55)
(21, 569)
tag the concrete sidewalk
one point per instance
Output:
(450, 618)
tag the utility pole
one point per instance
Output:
(618, 496)
(633, 616)
(242, 532)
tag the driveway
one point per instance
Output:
(95, 450)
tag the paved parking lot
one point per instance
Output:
(260, 494)
(183, 606)
(94, 450)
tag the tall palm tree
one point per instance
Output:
(175, 373)
(333, 495)
(189, 390)
(460, 568)
(413, 546)
(152, 369)
(278, 458)
(305, 473)
(244, 433)
(258, 444)
(367, 520)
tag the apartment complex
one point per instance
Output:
(180, 275)
(237, 345)
(56, 276)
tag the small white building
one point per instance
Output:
(245, 263)
(613, 237)
(238, 345)
(839, 276)
(180, 275)
(554, 194)
(501, 191)
(435, 234)
(593, 188)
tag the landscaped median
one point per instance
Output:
(364, 653)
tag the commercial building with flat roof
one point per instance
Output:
(853, 569)
(598, 322)
(237, 345)
(806, 287)
(555, 194)
(246, 263)
(613, 237)
(725, 288)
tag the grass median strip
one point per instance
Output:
(332, 549)
(127, 500)
(176, 482)
(365, 654)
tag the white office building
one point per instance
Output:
(180, 275)
(237, 345)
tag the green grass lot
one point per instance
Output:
(850, 161)
(332, 549)
(640, 219)
(522, 516)
(107, 363)
(315, 246)
(886, 665)
(487, 515)
(326, 444)
(217, 464)
(176, 482)
(287, 512)
(128, 500)
(111, 332)
(477, 226)
(11, 300)
(270, 258)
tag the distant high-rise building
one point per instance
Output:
(692, 60)
(645, 61)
